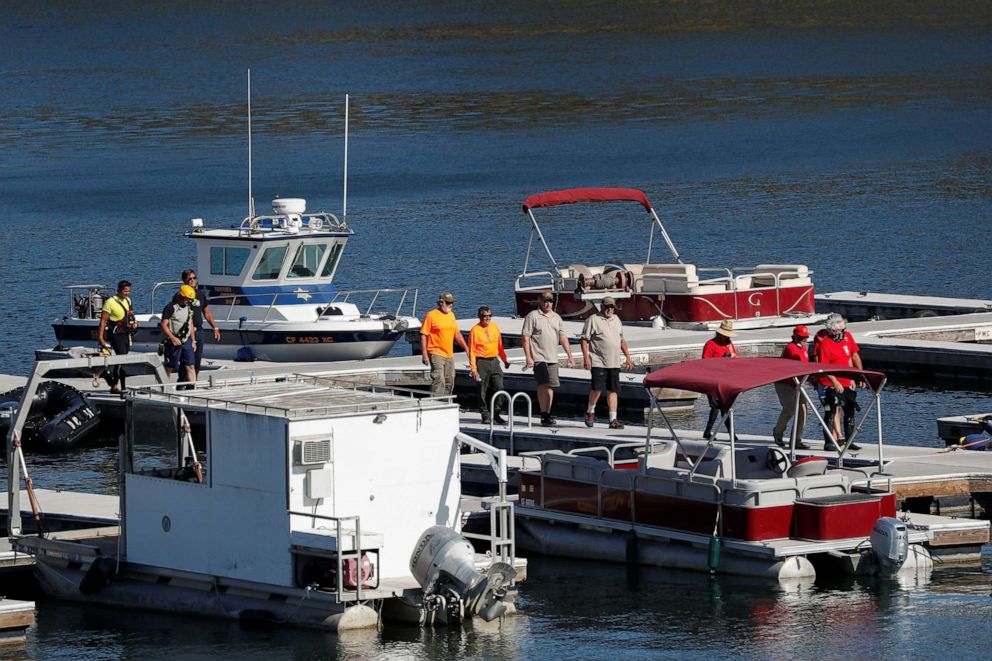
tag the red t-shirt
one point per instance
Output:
(794, 352)
(713, 350)
(831, 352)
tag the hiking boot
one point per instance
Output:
(802, 446)
(499, 420)
(616, 424)
(830, 446)
(590, 419)
(548, 421)
(853, 446)
(779, 442)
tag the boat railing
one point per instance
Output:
(407, 296)
(552, 279)
(341, 556)
(317, 221)
(609, 450)
(346, 296)
(502, 534)
(159, 285)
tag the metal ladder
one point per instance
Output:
(511, 400)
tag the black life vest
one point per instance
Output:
(127, 323)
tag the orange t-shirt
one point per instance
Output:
(439, 330)
(485, 343)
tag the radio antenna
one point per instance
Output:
(251, 199)
(344, 197)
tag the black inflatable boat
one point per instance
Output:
(60, 416)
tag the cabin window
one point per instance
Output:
(332, 260)
(270, 263)
(307, 260)
(228, 261)
(158, 446)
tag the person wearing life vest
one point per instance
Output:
(117, 324)
(201, 311)
(180, 334)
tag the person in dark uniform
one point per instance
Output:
(201, 310)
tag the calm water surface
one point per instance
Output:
(852, 137)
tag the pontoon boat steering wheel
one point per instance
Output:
(777, 461)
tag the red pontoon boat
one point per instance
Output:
(673, 292)
(770, 512)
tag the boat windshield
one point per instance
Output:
(270, 264)
(332, 262)
(307, 260)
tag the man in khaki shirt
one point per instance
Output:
(541, 336)
(602, 343)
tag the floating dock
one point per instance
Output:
(864, 305)
(15, 618)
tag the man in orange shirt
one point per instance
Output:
(438, 332)
(485, 349)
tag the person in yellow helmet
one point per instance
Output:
(180, 334)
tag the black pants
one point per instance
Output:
(490, 383)
(121, 342)
(714, 414)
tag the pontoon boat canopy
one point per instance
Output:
(574, 195)
(724, 380)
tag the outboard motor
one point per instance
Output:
(443, 564)
(890, 542)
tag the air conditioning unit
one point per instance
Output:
(312, 451)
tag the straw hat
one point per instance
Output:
(726, 328)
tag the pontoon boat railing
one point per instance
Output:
(340, 556)
(511, 400)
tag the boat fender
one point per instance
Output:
(713, 561)
(245, 355)
(98, 576)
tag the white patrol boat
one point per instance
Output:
(268, 282)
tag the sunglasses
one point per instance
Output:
(486, 316)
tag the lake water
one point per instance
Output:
(853, 138)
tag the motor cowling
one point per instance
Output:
(890, 541)
(443, 563)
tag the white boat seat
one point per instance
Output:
(687, 270)
(808, 466)
(568, 467)
(796, 274)
(662, 457)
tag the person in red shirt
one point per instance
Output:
(786, 391)
(720, 346)
(837, 347)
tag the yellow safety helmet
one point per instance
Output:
(187, 292)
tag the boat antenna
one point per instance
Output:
(344, 196)
(251, 199)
